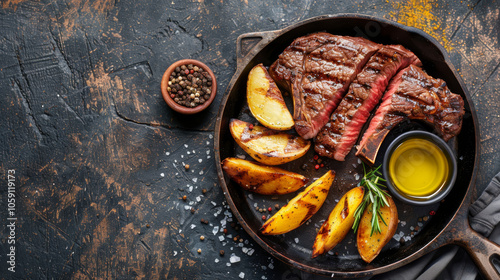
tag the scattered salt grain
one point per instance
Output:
(356, 176)
(403, 223)
(186, 145)
(208, 152)
(167, 153)
(175, 253)
(210, 136)
(193, 226)
(209, 157)
(296, 240)
(208, 143)
(271, 266)
(241, 156)
(162, 174)
(198, 198)
(188, 152)
(200, 160)
(244, 250)
(242, 275)
(250, 252)
(213, 203)
(195, 180)
(215, 230)
(216, 260)
(190, 188)
(201, 172)
(182, 156)
(194, 152)
(221, 238)
(234, 259)
(187, 207)
(250, 196)
(228, 264)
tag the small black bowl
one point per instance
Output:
(442, 191)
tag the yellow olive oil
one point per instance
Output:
(418, 168)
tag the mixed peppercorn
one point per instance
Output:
(190, 85)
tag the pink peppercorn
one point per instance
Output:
(316, 166)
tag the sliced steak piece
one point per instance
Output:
(412, 94)
(329, 64)
(291, 60)
(338, 136)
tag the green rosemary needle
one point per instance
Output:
(372, 181)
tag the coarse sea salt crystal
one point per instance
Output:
(175, 253)
(201, 172)
(209, 157)
(186, 145)
(162, 174)
(193, 226)
(250, 251)
(215, 230)
(242, 275)
(210, 136)
(188, 152)
(194, 152)
(221, 238)
(195, 180)
(216, 260)
(200, 160)
(198, 198)
(250, 196)
(208, 152)
(234, 259)
(167, 153)
(213, 203)
(296, 240)
(228, 264)
(271, 266)
(187, 207)
(208, 143)
(244, 250)
(190, 189)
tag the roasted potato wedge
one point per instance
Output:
(338, 224)
(265, 100)
(262, 179)
(300, 208)
(268, 146)
(370, 246)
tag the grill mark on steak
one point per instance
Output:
(338, 136)
(328, 64)
(412, 94)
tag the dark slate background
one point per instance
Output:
(98, 156)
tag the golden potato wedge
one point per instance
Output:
(262, 179)
(338, 224)
(265, 100)
(370, 246)
(300, 208)
(267, 146)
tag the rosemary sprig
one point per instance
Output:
(374, 194)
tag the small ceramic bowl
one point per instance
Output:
(180, 108)
(419, 167)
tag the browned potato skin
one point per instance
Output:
(268, 180)
(268, 146)
(338, 224)
(265, 100)
(302, 207)
(370, 246)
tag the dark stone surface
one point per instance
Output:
(98, 156)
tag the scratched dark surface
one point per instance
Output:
(98, 156)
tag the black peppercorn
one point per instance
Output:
(190, 83)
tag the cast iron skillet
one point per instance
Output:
(423, 232)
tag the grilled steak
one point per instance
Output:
(339, 135)
(412, 94)
(318, 69)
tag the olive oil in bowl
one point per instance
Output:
(419, 168)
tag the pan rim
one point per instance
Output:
(463, 205)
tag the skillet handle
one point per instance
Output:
(248, 44)
(481, 250)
